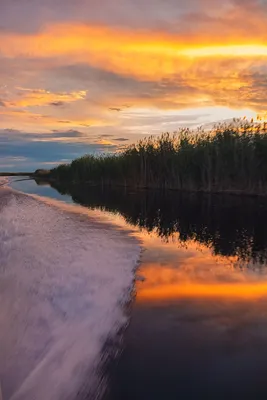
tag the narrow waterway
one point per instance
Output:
(198, 327)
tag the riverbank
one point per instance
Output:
(228, 159)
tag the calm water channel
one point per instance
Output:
(198, 325)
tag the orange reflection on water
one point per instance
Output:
(192, 290)
(174, 272)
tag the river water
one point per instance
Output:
(198, 327)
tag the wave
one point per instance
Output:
(64, 281)
(3, 181)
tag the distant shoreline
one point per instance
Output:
(17, 174)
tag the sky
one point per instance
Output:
(89, 76)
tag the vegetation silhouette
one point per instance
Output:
(229, 225)
(229, 158)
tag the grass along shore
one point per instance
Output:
(229, 158)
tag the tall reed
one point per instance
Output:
(229, 157)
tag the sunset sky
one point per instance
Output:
(79, 76)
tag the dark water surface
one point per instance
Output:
(199, 321)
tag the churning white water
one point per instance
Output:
(64, 279)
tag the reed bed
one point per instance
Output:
(228, 158)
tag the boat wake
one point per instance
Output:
(64, 281)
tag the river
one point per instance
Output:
(198, 321)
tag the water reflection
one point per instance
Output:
(229, 225)
(199, 322)
(197, 246)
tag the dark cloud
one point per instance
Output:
(57, 103)
(30, 15)
(115, 109)
(2, 104)
(121, 139)
(159, 15)
(20, 151)
(14, 135)
(64, 134)
(105, 136)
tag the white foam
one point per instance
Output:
(3, 182)
(64, 279)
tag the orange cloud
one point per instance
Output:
(214, 68)
(155, 54)
(27, 119)
(41, 97)
(169, 71)
(105, 142)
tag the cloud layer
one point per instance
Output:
(129, 67)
